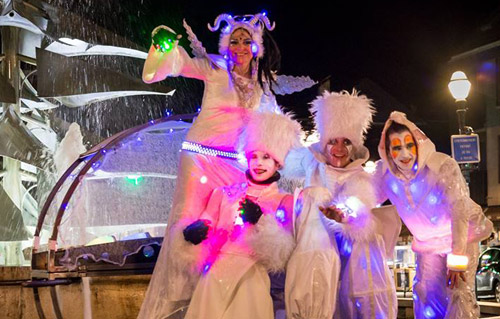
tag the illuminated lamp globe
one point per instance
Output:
(459, 86)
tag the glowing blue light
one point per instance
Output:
(139, 139)
(255, 48)
(199, 109)
(432, 199)
(415, 297)
(206, 268)
(394, 187)
(65, 206)
(152, 122)
(346, 248)
(171, 130)
(103, 151)
(429, 312)
(264, 13)
(358, 304)
(280, 216)
(487, 66)
(413, 187)
(434, 219)
(148, 251)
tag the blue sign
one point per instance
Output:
(465, 148)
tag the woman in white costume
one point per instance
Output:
(366, 289)
(245, 231)
(236, 84)
(432, 199)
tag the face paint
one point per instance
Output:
(403, 151)
(339, 151)
(261, 165)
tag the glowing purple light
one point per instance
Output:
(280, 216)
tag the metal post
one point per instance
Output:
(10, 69)
(464, 130)
(461, 110)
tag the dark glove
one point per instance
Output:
(250, 212)
(163, 38)
(197, 232)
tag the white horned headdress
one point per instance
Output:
(254, 24)
(342, 115)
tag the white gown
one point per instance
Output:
(235, 283)
(218, 125)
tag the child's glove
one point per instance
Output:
(197, 231)
(250, 212)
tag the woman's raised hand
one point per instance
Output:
(164, 39)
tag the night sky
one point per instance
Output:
(401, 47)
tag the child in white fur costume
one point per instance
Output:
(366, 288)
(245, 231)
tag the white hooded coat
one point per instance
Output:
(435, 206)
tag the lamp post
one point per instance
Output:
(460, 87)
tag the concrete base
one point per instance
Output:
(117, 297)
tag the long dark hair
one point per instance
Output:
(270, 62)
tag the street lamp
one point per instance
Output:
(460, 87)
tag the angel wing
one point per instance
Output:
(287, 84)
(198, 50)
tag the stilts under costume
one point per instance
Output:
(446, 224)
(366, 289)
(250, 234)
(208, 159)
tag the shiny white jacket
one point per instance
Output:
(435, 203)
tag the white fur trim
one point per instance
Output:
(295, 163)
(319, 195)
(271, 243)
(187, 255)
(342, 115)
(273, 133)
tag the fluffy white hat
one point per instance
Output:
(272, 133)
(342, 115)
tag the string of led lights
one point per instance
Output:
(205, 150)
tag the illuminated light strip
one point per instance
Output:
(457, 262)
(205, 150)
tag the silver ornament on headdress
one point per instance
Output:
(259, 19)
